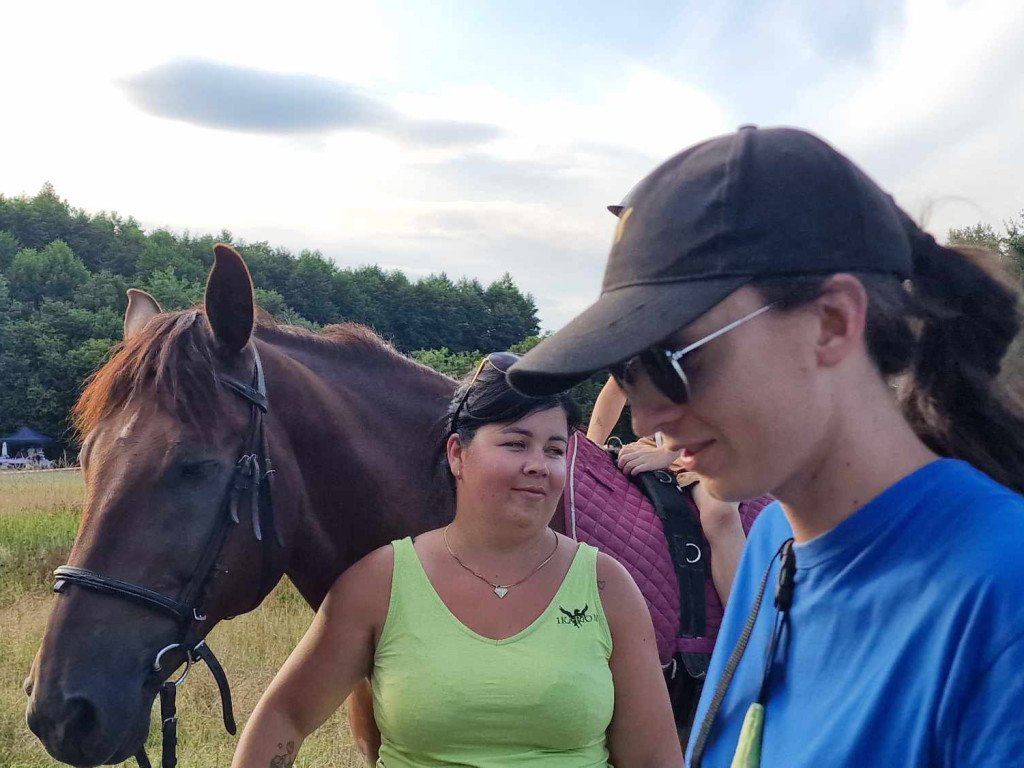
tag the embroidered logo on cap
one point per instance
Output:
(621, 229)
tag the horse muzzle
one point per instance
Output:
(98, 727)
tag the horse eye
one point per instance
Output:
(197, 470)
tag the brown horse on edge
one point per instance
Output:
(352, 427)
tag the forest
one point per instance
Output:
(64, 273)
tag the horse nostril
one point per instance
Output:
(81, 718)
(27, 686)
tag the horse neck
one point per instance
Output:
(354, 434)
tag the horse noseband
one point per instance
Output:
(252, 476)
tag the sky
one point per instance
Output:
(480, 137)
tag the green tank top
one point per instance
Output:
(445, 696)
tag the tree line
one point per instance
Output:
(64, 273)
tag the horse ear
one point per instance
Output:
(229, 303)
(141, 309)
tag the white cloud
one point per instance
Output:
(930, 101)
(642, 109)
(939, 122)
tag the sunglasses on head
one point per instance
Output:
(500, 361)
(664, 366)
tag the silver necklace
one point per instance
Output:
(499, 589)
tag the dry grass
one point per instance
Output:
(26, 491)
(39, 513)
(38, 519)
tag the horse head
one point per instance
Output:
(178, 529)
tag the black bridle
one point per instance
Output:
(252, 477)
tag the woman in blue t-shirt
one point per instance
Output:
(791, 331)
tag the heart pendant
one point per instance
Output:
(501, 591)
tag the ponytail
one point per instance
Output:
(942, 338)
(953, 398)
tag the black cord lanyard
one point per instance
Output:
(783, 602)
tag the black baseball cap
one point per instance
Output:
(723, 213)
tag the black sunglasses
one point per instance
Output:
(500, 361)
(664, 366)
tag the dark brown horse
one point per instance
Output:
(352, 430)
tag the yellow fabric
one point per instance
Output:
(445, 696)
(748, 748)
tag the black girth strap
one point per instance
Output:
(252, 477)
(685, 538)
(685, 543)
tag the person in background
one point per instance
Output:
(720, 520)
(493, 641)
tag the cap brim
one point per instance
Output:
(621, 324)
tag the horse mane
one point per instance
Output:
(174, 358)
(348, 335)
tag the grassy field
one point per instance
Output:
(39, 515)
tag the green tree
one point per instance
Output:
(274, 304)
(9, 246)
(1014, 242)
(470, 324)
(1009, 245)
(432, 315)
(5, 295)
(200, 248)
(103, 290)
(512, 316)
(108, 242)
(270, 267)
(162, 251)
(172, 291)
(63, 275)
(38, 221)
(443, 360)
(31, 378)
(53, 272)
(357, 295)
(310, 287)
(270, 301)
(76, 325)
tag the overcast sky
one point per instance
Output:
(480, 137)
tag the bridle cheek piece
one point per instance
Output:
(252, 477)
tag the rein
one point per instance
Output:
(252, 477)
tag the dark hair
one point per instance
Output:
(486, 398)
(944, 335)
(490, 400)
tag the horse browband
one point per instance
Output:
(247, 477)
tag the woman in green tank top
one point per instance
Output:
(494, 642)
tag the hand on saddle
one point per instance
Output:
(641, 457)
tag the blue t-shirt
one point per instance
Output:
(905, 644)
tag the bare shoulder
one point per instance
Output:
(620, 596)
(380, 562)
(364, 589)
